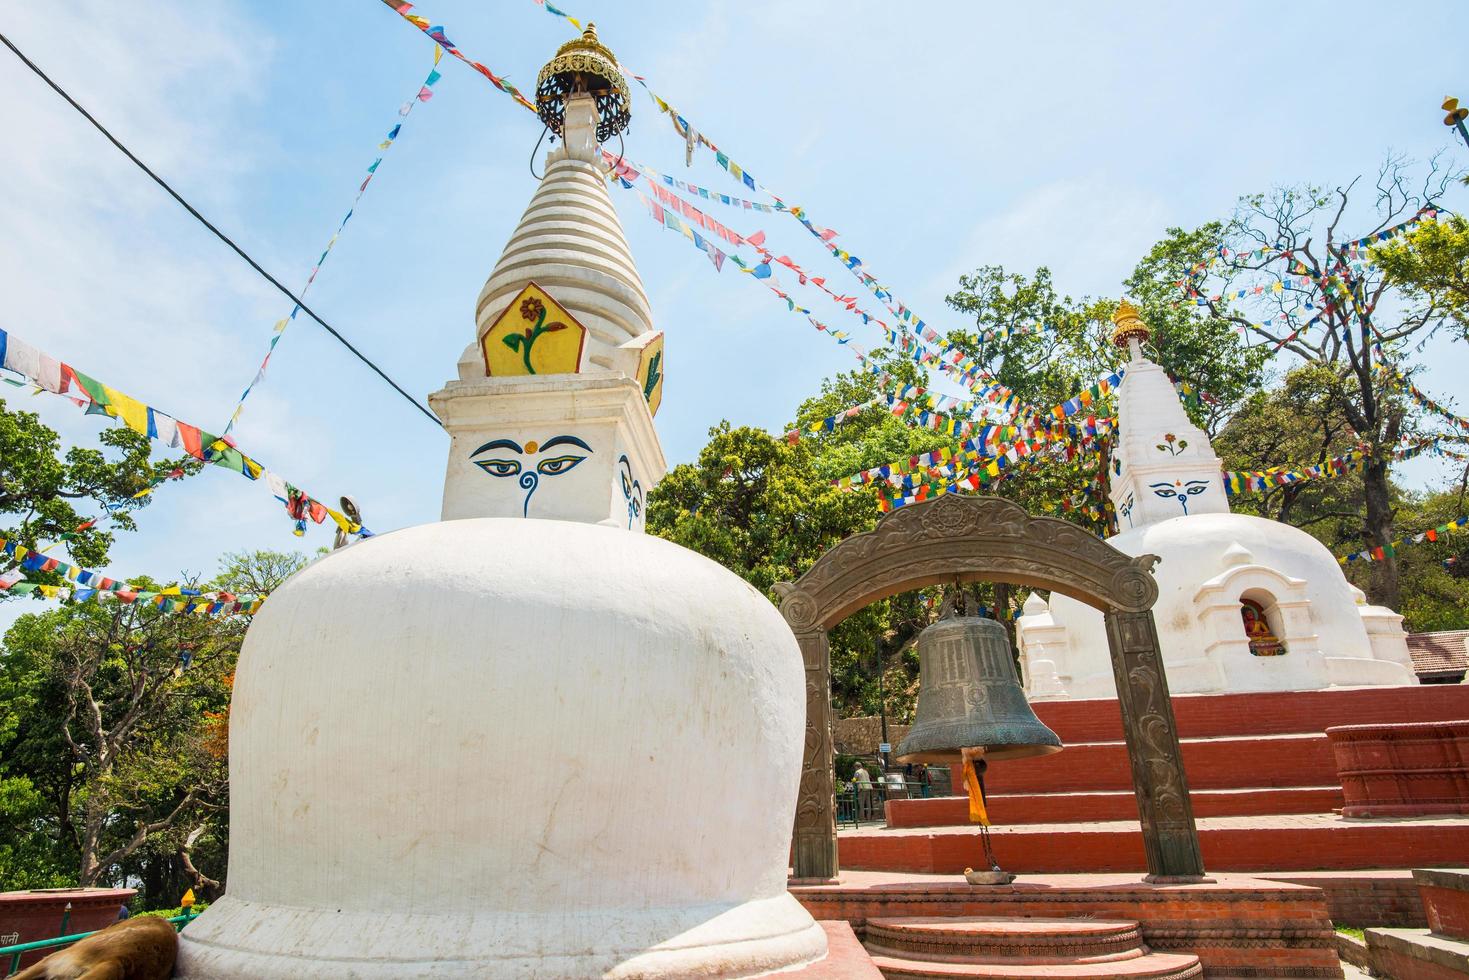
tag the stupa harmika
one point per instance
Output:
(501, 746)
(1244, 603)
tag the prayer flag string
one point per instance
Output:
(425, 92)
(1390, 549)
(94, 585)
(436, 33)
(62, 379)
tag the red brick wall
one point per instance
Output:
(1447, 910)
(1274, 713)
(1086, 849)
(1365, 898)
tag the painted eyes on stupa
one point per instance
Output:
(557, 465)
(546, 467)
(499, 467)
(1192, 488)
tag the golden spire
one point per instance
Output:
(583, 64)
(1128, 325)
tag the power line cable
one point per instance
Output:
(217, 233)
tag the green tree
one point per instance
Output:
(767, 507)
(1292, 282)
(1431, 266)
(41, 488)
(257, 572)
(112, 701)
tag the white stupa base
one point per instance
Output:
(502, 748)
(235, 940)
(1210, 564)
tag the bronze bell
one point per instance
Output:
(970, 697)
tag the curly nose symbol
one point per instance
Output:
(529, 480)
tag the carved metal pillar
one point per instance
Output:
(1170, 838)
(815, 834)
(815, 854)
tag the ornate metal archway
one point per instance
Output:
(991, 539)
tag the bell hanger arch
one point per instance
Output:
(961, 539)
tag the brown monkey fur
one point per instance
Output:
(133, 949)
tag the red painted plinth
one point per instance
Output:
(28, 916)
(1406, 769)
(1445, 900)
(1236, 926)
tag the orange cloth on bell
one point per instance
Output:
(977, 813)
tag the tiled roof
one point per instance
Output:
(1439, 653)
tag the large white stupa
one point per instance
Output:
(1244, 603)
(500, 745)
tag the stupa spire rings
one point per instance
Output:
(584, 65)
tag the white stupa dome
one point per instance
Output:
(568, 750)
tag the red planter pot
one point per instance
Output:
(1402, 770)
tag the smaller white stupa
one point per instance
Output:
(1244, 603)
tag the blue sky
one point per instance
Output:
(934, 137)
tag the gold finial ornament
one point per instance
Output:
(1128, 325)
(583, 64)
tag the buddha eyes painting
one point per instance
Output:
(632, 490)
(1180, 490)
(1126, 509)
(505, 458)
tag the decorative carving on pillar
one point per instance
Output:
(1164, 809)
(990, 539)
(814, 845)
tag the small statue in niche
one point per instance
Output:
(1263, 642)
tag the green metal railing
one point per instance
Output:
(16, 952)
(860, 803)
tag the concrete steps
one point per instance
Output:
(1002, 948)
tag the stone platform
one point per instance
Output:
(1291, 842)
(1236, 926)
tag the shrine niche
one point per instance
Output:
(968, 539)
(1263, 639)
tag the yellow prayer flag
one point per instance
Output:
(438, 53)
(134, 414)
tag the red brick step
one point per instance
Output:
(999, 939)
(1019, 948)
(1154, 966)
(1292, 842)
(1231, 762)
(1113, 804)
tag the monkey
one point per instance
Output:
(134, 949)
